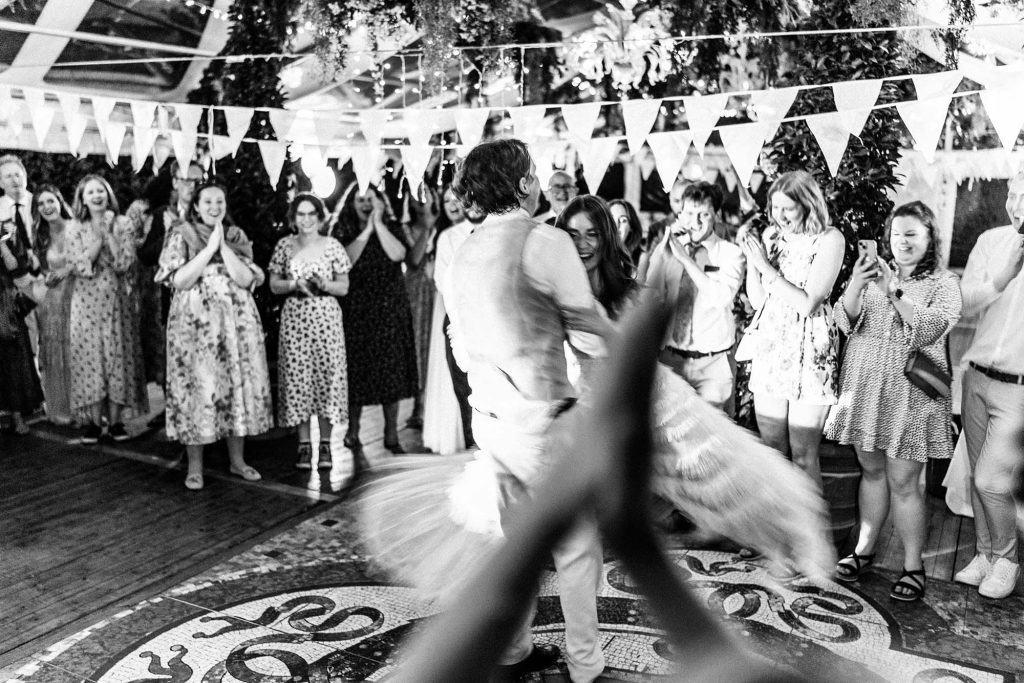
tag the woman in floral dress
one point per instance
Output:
(105, 354)
(218, 386)
(54, 312)
(889, 309)
(378, 323)
(793, 341)
(311, 269)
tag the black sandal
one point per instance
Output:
(305, 453)
(852, 566)
(912, 583)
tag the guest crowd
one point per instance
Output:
(96, 302)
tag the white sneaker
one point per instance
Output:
(975, 572)
(1001, 580)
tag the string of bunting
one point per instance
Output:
(333, 136)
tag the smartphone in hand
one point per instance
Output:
(868, 249)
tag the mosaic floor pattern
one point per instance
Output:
(307, 606)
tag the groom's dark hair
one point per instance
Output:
(488, 178)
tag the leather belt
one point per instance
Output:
(693, 354)
(997, 375)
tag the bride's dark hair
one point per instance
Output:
(615, 266)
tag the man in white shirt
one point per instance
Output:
(562, 189)
(993, 396)
(16, 202)
(702, 272)
(515, 290)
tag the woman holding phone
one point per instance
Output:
(218, 386)
(892, 306)
(311, 269)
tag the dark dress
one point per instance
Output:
(19, 382)
(378, 328)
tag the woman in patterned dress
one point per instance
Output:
(218, 386)
(792, 340)
(311, 268)
(105, 354)
(889, 309)
(378, 323)
(54, 312)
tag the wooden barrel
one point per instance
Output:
(840, 478)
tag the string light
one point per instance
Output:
(203, 9)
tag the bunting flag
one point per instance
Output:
(580, 120)
(702, 114)
(11, 113)
(273, 154)
(743, 143)
(366, 163)
(543, 155)
(925, 120)
(221, 146)
(102, 108)
(527, 120)
(638, 117)
(142, 113)
(184, 147)
(41, 115)
(143, 138)
(771, 106)
(669, 155)
(163, 119)
(416, 158)
(282, 120)
(939, 84)
(854, 100)
(340, 152)
(470, 124)
(421, 125)
(160, 154)
(595, 157)
(303, 128)
(371, 122)
(832, 136)
(328, 128)
(1003, 105)
(238, 120)
(188, 121)
(113, 138)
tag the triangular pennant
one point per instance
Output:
(142, 113)
(832, 136)
(11, 113)
(303, 128)
(854, 100)
(470, 124)
(41, 115)
(669, 156)
(74, 121)
(340, 152)
(112, 138)
(580, 120)
(702, 114)
(595, 157)
(420, 125)
(936, 85)
(416, 159)
(222, 146)
(160, 153)
(366, 163)
(237, 120)
(282, 120)
(928, 172)
(189, 116)
(527, 120)
(743, 143)
(102, 108)
(371, 122)
(163, 118)
(184, 147)
(772, 106)
(328, 127)
(925, 120)
(638, 117)
(273, 154)
(1003, 106)
(143, 138)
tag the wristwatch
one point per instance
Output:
(896, 293)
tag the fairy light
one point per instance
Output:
(522, 75)
(203, 9)
(404, 77)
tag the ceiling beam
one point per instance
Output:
(117, 41)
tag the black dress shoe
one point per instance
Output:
(540, 658)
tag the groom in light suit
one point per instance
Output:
(516, 289)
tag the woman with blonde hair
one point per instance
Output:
(105, 353)
(311, 269)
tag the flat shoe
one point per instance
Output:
(750, 554)
(248, 473)
(194, 482)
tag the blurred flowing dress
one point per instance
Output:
(54, 315)
(106, 356)
(218, 384)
